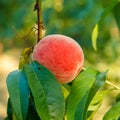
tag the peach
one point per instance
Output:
(60, 54)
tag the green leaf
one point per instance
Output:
(107, 10)
(80, 87)
(83, 90)
(117, 14)
(19, 93)
(9, 109)
(83, 105)
(118, 97)
(95, 31)
(113, 113)
(25, 57)
(66, 90)
(14, 117)
(96, 103)
(47, 93)
(6, 118)
(97, 99)
(32, 113)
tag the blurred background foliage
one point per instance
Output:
(74, 18)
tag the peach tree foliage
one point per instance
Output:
(35, 90)
(36, 94)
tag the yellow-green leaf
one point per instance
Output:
(94, 37)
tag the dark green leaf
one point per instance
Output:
(79, 90)
(19, 93)
(118, 97)
(107, 10)
(47, 93)
(32, 113)
(9, 110)
(113, 113)
(6, 118)
(117, 14)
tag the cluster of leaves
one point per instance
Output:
(35, 94)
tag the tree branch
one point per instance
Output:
(39, 19)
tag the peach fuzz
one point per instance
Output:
(60, 54)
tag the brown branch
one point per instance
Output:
(39, 19)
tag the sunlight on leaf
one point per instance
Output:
(107, 10)
(96, 103)
(94, 37)
(65, 91)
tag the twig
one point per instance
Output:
(26, 36)
(39, 19)
(113, 85)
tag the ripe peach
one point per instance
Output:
(60, 54)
